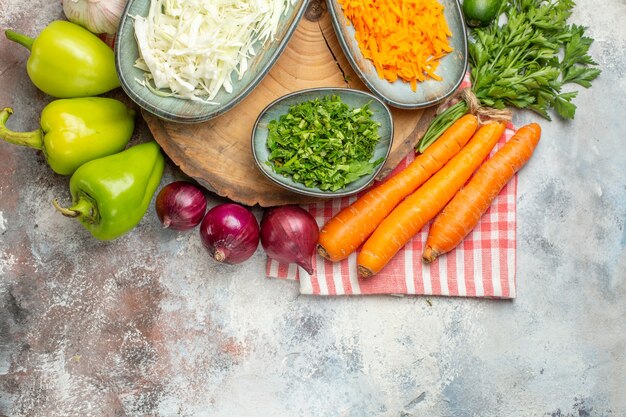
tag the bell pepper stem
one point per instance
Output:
(32, 139)
(64, 211)
(83, 208)
(23, 40)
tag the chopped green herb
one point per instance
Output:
(323, 143)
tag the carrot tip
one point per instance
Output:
(323, 252)
(430, 254)
(364, 272)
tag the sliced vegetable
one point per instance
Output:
(464, 211)
(423, 205)
(323, 143)
(403, 39)
(191, 49)
(289, 234)
(180, 205)
(345, 232)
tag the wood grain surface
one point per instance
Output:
(218, 153)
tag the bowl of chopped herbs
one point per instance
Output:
(323, 142)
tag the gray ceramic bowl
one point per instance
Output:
(353, 98)
(452, 67)
(187, 111)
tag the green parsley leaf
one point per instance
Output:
(516, 63)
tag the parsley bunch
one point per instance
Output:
(525, 62)
(323, 143)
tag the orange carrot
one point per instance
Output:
(345, 232)
(466, 208)
(423, 205)
(404, 39)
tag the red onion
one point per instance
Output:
(230, 233)
(180, 205)
(289, 234)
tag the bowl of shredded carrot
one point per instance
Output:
(410, 54)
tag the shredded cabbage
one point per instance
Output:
(193, 47)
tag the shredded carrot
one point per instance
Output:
(346, 231)
(466, 208)
(423, 205)
(403, 38)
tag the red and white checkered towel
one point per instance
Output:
(483, 265)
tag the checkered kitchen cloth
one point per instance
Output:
(483, 265)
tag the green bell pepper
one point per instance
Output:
(110, 195)
(68, 61)
(74, 131)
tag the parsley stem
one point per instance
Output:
(440, 123)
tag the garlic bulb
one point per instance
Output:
(98, 16)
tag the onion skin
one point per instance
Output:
(289, 234)
(230, 233)
(180, 205)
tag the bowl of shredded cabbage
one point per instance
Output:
(189, 61)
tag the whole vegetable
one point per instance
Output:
(180, 205)
(480, 13)
(230, 233)
(68, 61)
(75, 131)
(289, 234)
(463, 212)
(408, 218)
(110, 195)
(98, 16)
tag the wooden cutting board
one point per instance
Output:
(218, 153)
